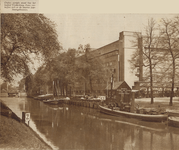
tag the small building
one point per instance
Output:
(121, 91)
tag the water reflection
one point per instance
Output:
(74, 127)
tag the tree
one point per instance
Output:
(21, 85)
(23, 35)
(61, 71)
(89, 68)
(83, 66)
(4, 87)
(148, 56)
(39, 80)
(169, 42)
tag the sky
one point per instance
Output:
(100, 22)
(98, 29)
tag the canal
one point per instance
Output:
(74, 127)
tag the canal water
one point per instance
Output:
(66, 127)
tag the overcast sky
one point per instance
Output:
(99, 22)
(98, 29)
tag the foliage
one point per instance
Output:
(21, 84)
(89, 68)
(68, 69)
(6, 87)
(23, 35)
(56, 74)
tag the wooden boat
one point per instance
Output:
(145, 117)
(43, 97)
(173, 121)
(51, 101)
(55, 107)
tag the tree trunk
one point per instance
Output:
(91, 88)
(85, 88)
(66, 89)
(46, 89)
(70, 91)
(147, 92)
(63, 90)
(151, 83)
(162, 92)
(57, 87)
(173, 83)
(60, 88)
(55, 90)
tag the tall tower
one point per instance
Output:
(128, 44)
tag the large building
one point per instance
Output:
(115, 57)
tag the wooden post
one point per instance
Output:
(132, 102)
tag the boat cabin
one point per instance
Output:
(119, 91)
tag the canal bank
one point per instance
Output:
(80, 127)
(16, 135)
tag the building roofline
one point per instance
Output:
(106, 45)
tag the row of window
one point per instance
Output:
(111, 54)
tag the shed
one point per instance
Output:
(121, 91)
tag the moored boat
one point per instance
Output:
(173, 121)
(174, 113)
(145, 117)
(43, 97)
(50, 101)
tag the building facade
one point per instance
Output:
(115, 58)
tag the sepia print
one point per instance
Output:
(88, 81)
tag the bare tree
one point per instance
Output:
(169, 41)
(147, 54)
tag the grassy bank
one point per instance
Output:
(158, 102)
(16, 135)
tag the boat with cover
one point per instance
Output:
(145, 117)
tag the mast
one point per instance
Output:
(111, 84)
